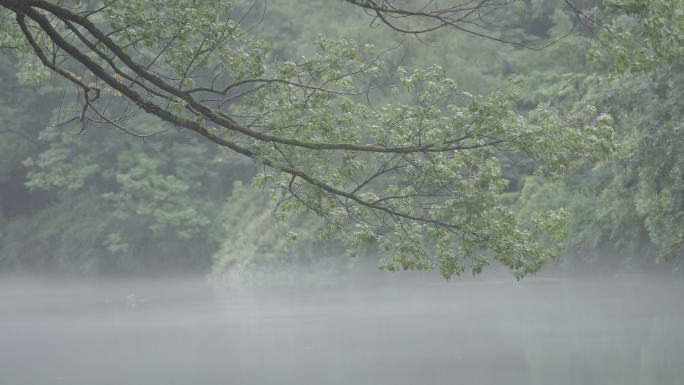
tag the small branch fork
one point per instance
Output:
(468, 16)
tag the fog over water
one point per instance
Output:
(385, 330)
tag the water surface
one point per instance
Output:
(396, 330)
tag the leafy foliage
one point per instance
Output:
(261, 247)
(419, 175)
(630, 205)
(365, 130)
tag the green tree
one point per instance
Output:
(420, 175)
(631, 205)
(103, 200)
(649, 58)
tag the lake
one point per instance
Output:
(399, 329)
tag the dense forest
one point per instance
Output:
(601, 186)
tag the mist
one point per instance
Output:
(404, 329)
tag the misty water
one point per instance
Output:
(397, 330)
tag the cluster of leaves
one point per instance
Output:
(429, 193)
(629, 206)
(643, 35)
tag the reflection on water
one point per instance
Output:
(395, 331)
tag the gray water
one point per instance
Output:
(386, 331)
